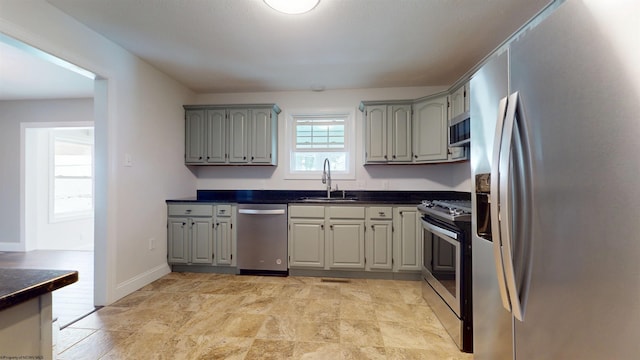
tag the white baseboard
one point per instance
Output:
(11, 247)
(127, 287)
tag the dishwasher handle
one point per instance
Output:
(261, 212)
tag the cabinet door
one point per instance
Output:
(399, 133)
(379, 241)
(194, 137)
(346, 244)
(306, 243)
(261, 136)
(238, 135)
(430, 130)
(457, 102)
(178, 241)
(408, 239)
(201, 240)
(224, 241)
(216, 136)
(376, 133)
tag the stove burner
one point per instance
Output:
(450, 210)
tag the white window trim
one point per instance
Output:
(70, 216)
(350, 142)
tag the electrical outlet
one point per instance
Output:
(152, 243)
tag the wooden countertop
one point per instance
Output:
(20, 285)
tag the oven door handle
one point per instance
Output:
(444, 233)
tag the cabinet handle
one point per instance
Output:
(381, 213)
(321, 226)
(415, 156)
(188, 211)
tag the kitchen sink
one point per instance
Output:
(327, 200)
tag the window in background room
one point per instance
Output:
(72, 168)
(316, 137)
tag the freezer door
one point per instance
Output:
(492, 324)
(578, 80)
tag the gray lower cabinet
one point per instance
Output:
(306, 236)
(225, 239)
(196, 236)
(379, 238)
(345, 238)
(369, 238)
(407, 239)
(190, 234)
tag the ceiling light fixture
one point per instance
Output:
(292, 6)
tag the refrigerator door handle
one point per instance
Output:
(506, 219)
(493, 203)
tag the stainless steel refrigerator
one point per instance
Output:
(555, 138)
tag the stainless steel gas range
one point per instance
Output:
(446, 267)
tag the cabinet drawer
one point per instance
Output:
(223, 210)
(190, 210)
(306, 211)
(379, 212)
(346, 212)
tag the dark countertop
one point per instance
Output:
(296, 196)
(20, 285)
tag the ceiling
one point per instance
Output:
(223, 46)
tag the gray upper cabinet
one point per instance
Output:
(430, 141)
(194, 137)
(216, 144)
(238, 135)
(459, 101)
(231, 134)
(387, 132)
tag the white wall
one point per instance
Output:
(372, 177)
(138, 111)
(40, 231)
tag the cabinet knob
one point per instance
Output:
(394, 156)
(200, 158)
(380, 213)
(252, 158)
(244, 158)
(415, 156)
(372, 228)
(385, 157)
(322, 226)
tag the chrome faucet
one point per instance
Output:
(326, 176)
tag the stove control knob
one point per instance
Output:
(427, 203)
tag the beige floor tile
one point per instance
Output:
(333, 351)
(217, 347)
(326, 330)
(288, 307)
(321, 309)
(278, 328)
(396, 334)
(357, 310)
(242, 325)
(262, 349)
(360, 333)
(219, 316)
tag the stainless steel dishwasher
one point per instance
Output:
(262, 239)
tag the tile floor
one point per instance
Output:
(214, 316)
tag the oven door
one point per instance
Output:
(441, 260)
